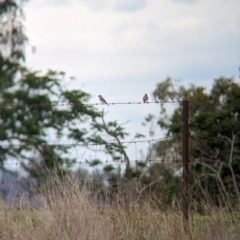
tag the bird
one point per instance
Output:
(145, 98)
(102, 99)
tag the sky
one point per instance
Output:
(122, 48)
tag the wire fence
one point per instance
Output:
(90, 157)
(143, 169)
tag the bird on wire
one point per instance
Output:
(145, 98)
(102, 99)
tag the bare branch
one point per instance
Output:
(231, 168)
(114, 135)
(217, 173)
(147, 186)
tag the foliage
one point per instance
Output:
(214, 128)
(115, 149)
(36, 107)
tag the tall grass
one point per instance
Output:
(70, 212)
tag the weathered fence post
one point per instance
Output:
(185, 197)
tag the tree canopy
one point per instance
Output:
(36, 105)
(214, 129)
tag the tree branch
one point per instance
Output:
(147, 186)
(114, 135)
(231, 168)
(217, 176)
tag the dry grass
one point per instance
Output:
(72, 215)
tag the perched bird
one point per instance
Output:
(145, 98)
(102, 99)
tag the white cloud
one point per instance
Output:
(95, 4)
(185, 1)
(160, 35)
(129, 5)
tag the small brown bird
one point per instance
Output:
(145, 98)
(102, 99)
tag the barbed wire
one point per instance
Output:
(89, 162)
(87, 144)
(209, 162)
(110, 103)
(178, 161)
(85, 104)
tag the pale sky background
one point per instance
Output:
(122, 48)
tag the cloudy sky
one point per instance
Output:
(122, 48)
